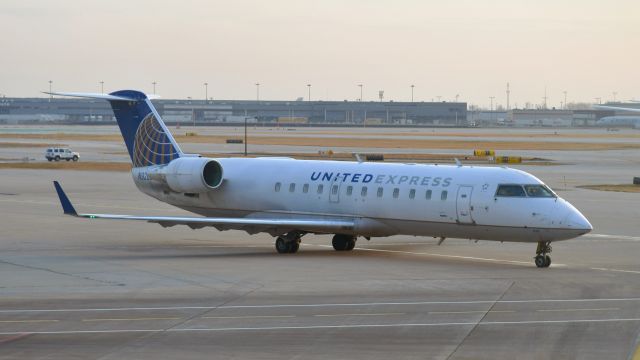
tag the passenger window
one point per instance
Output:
(443, 195)
(396, 193)
(278, 187)
(334, 190)
(412, 193)
(428, 195)
(292, 187)
(320, 189)
(380, 191)
(349, 190)
(305, 188)
(510, 191)
(363, 192)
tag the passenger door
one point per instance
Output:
(463, 204)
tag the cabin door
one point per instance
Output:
(463, 204)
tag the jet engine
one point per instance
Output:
(193, 175)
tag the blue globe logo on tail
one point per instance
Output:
(152, 145)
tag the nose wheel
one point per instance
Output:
(542, 260)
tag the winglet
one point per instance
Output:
(64, 200)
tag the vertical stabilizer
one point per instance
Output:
(147, 138)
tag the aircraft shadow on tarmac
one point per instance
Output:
(266, 253)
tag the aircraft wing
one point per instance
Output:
(274, 226)
(606, 107)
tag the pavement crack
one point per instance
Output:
(481, 319)
(31, 267)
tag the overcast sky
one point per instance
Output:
(472, 48)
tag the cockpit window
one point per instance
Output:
(510, 191)
(538, 191)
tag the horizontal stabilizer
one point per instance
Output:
(92, 96)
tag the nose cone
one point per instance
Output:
(575, 220)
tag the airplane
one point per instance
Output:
(288, 198)
(619, 120)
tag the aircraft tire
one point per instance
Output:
(351, 244)
(541, 261)
(547, 261)
(342, 242)
(293, 247)
(282, 246)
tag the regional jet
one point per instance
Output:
(289, 198)
(620, 121)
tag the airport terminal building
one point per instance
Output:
(212, 112)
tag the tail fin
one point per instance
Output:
(147, 138)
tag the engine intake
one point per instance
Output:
(193, 175)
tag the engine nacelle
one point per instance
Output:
(193, 175)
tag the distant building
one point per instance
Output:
(527, 118)
(13, 110)
(486, 118)
(589, 117)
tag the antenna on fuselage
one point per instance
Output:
(358, 158)
(457, 162)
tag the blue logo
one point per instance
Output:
(152, 145)
(381, 179)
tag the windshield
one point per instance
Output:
(539, 191)
(533, 191)
(510, 191)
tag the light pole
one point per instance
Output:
(565, 99)
(257, 91)
(614, 96)
(193, 113)
(102, 87)
(360, 85)
(154, 87)
(457, 96)
(50, 95)
(245, 136)
(439, 97)
(206, 92)
(412, 86)
(491, 97)
(598, 100)
(309, 88)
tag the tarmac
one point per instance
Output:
(96, 289)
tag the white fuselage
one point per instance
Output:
(385, 199)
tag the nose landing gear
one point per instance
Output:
(543, 260)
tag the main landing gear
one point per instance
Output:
(342, 242)
(543, 260)
(288, 243)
